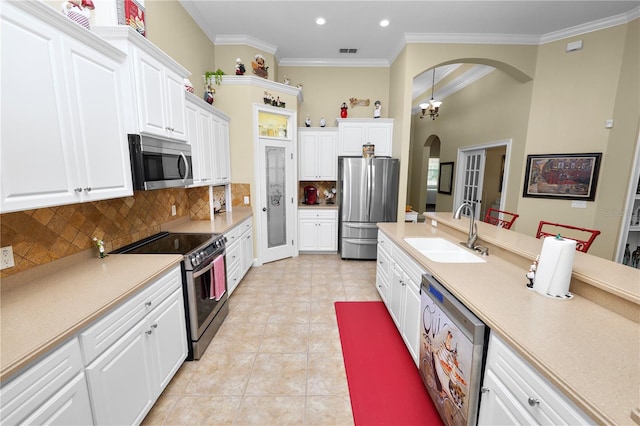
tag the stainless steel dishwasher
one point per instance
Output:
(452, 351)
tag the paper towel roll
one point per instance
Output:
(553, 274)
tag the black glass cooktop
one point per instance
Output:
(167, 243)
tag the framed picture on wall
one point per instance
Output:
(562, 176)
(445, 178)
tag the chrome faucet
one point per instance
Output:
(473, 228)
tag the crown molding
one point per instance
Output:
(589, 27)
(302, 62)
(469, 38)
(263, 83)
(229, 40)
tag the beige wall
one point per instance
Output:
(326, 88)
(503, 115)
(171, 28)
(573, 95)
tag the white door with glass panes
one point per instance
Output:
(276, 176)
(470, 179)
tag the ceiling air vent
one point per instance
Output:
(348, 50)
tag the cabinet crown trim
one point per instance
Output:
(124, 33)
(56, 19)
(202, 104)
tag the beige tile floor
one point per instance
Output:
(277, 359)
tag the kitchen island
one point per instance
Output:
(587, 347)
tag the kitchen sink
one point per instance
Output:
(443, 251)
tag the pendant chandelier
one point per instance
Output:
(433, 106)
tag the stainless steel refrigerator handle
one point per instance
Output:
(369, 189)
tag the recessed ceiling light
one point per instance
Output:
(321, 21)
(384, 23)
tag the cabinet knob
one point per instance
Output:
(484, 390)
(533, 401)
(88, 189)
(148, 332)
(154, 325)
(78, 189)
(264, 209)
(147, 304)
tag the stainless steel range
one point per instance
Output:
(203, 281)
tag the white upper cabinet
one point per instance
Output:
(208, 134)
(221, 153)
(154, 85)
(318, 154)
(355, 132)
(63, 137)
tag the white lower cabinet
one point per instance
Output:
(133, 352)
(514, 393)
(239, 253)
(318, 230)
(53, 391)
(402, 296)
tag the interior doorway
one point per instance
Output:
(480, 178)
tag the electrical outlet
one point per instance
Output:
(6, 256)
(173, 210)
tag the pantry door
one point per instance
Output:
(276, 169)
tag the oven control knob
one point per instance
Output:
(195, 260)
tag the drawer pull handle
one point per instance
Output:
(533, 401)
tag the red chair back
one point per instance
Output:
(553, 229)
(506, 222)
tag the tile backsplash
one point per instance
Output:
(43, 235)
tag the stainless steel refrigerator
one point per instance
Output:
(367, 194)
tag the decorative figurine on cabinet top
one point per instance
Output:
(323, 122)
(376, 109)
(343, 110)
(286, 80)
(240, 70)
(79, 11)
(307, 121)
(259, 67)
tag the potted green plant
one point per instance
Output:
(217, 74)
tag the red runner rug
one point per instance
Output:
(384, 383)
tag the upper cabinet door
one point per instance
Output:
(160, 98)
(36, 160)
(101, 146)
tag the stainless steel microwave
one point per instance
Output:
(159, 163)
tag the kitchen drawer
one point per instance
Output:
(533, 393)
(408, 265)
(245, 226)
(233, 255)
(233, 235)
(318, 214)
(385, 243)
(108, 330)
(234, 275)
(44, 383)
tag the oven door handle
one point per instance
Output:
(205, 269)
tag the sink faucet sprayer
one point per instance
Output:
(473, 228)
